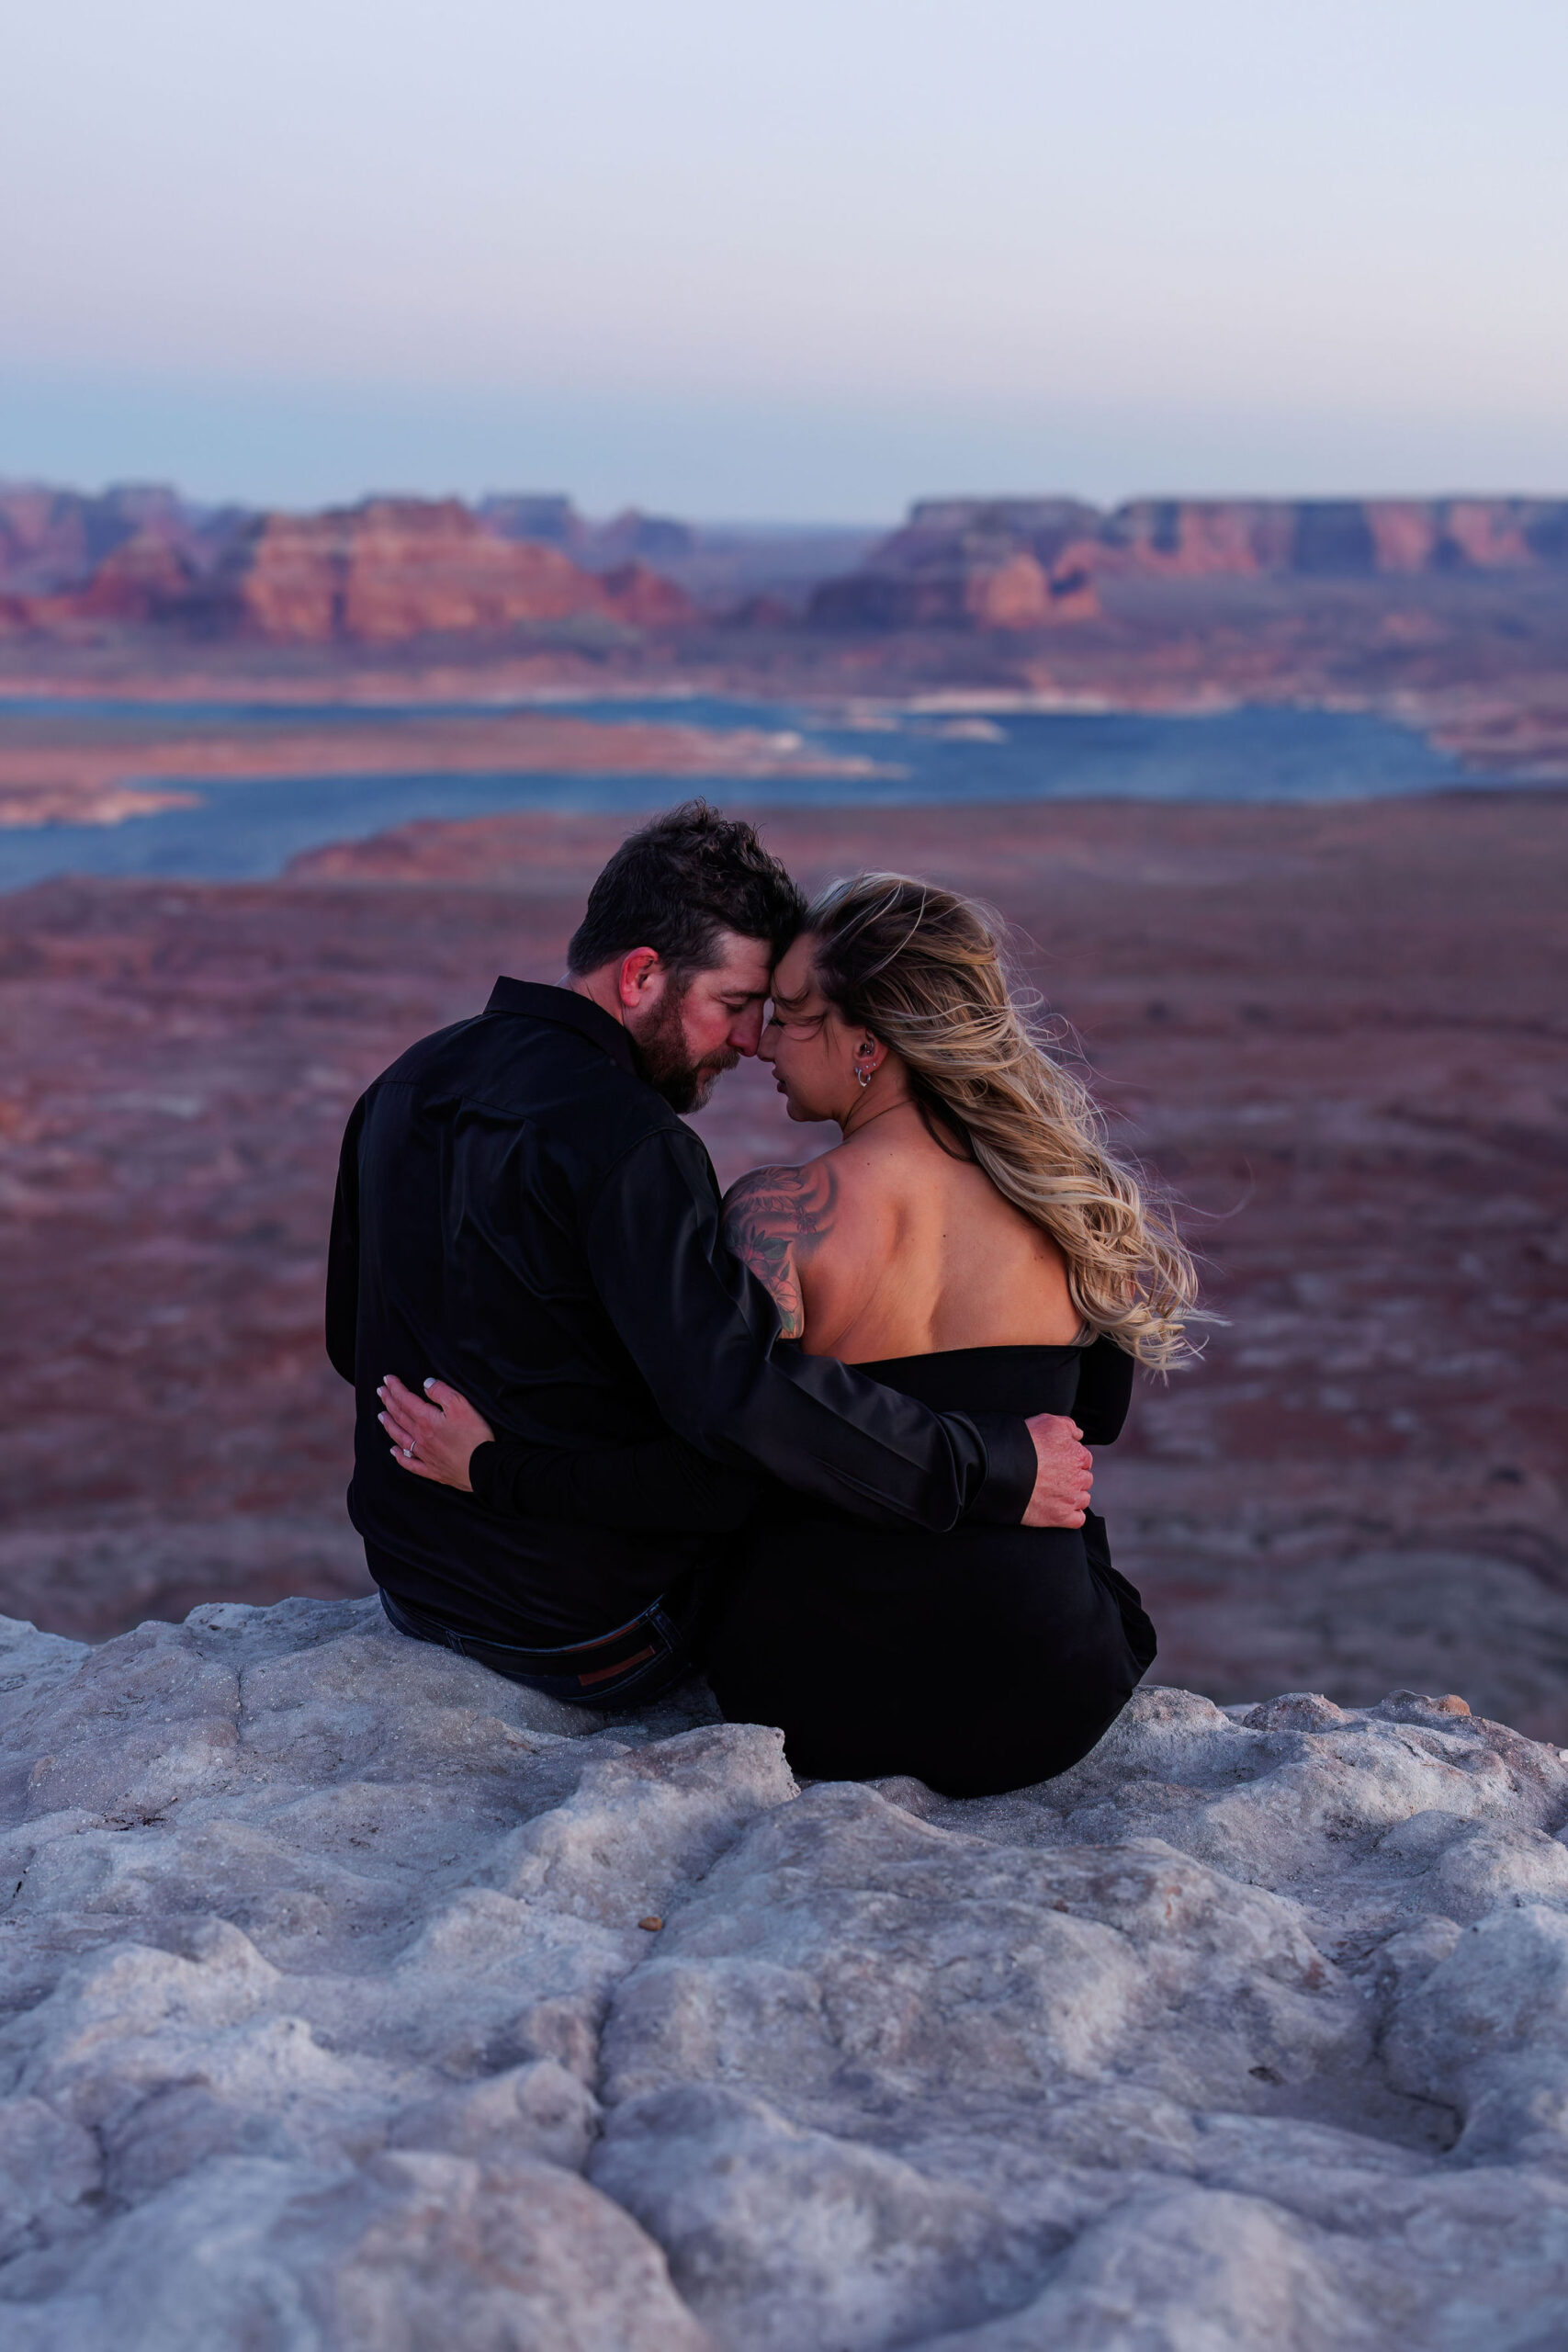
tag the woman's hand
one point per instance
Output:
(434, 1435)
(1064, 1472)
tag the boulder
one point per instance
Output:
(354, 1997)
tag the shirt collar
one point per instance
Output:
(568, 1011)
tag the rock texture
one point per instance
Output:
(336, 2016)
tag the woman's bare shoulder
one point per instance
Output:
(775, 1219)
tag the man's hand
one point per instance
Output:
(1063, 1477)
(433, 1436)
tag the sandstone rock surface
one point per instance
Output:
(329, 2021)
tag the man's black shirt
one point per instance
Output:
(520, 1215)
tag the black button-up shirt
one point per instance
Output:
(520, 1215)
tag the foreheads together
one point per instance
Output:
(922, 969)
(677, 883)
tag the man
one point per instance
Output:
(520, 1206)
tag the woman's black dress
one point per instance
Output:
(978, 1661)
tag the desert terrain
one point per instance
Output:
(1335, 1034)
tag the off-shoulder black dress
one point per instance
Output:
(976, 1661)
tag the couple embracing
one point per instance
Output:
(826, 1440)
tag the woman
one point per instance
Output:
(972, 1243)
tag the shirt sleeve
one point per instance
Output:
(703, 1333)
(343, 1252)
(664, 1483)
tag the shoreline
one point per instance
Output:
(339, 855)
(61, 773)
(79, 749)
(47, 781)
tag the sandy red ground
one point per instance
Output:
(1337, 1033)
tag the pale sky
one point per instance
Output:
(804, 262)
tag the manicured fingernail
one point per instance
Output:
(431, 1382)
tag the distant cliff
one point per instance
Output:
(1347, 537)
(52, 540)
(388, 571)
(971, 563)
(393, 568)
(1026, 563)
(630, 537)
(377, 573)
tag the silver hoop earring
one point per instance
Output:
(864, 1075)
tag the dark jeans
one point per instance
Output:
(638, 1662)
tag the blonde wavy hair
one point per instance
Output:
(925, 970)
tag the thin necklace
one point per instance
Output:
(908, 1103)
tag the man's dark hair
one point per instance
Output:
(676, 885)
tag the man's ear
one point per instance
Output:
(637, 975)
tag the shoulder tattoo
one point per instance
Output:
(774, 1220)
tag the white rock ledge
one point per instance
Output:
(328, 2023)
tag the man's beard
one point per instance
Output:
(663, 1058)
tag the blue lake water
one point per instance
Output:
(241, 832)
